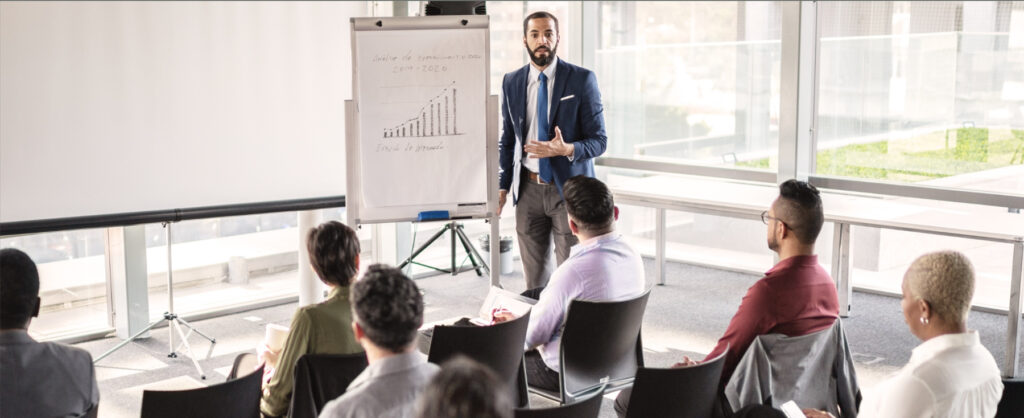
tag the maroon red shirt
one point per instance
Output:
(796, 297)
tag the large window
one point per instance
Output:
(691, 81)
(72, 280)
(223, 262)
(923, 92)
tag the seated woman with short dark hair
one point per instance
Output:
(322, 328)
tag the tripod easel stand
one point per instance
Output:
(172, 319)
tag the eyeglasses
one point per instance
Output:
(765, 217)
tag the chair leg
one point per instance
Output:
(521, 387)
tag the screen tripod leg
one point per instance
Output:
(130, 339)
(188, 347)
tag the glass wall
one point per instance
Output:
(693, 82)
(72, 280)
(923, 92)
(927, 93)
(223, 262)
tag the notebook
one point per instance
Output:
(497, 299)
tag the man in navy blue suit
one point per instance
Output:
(553, 127)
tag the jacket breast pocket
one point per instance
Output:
(568, 111)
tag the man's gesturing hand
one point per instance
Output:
(554, 148)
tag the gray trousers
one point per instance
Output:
(541, 219)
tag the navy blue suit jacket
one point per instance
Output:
(575, 109)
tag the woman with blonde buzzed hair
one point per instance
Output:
(950, 374)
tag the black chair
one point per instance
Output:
(235, 398)
(599, 340)
(244, 364)
(1012, 402)
(685, 392)
(587, 405)
(92, 412)
(320, 378)
(499, 346)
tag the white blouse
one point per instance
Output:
(951, 375)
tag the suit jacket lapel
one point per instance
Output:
(562, 74)
(523, 82)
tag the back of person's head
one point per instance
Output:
(799, 206)
(19, 289)
(945, 280)
(334, 252)
(465, 389)
(388, 307)
(590, 204)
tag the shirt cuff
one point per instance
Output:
(572, 157)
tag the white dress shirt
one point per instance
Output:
(603, 268)
(951, 375)
(533, 81)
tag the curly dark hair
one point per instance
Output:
(799, 206)
(333, 249)
(388, 307)
(465, 389)
(589, 203)
(19, 288)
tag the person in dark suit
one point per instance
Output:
(538, 154)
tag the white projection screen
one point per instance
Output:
(122, 107)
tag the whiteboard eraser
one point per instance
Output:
(432, 215)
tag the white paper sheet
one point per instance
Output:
(422, 116)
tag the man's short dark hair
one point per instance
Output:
(465, 389)
(19, 288)
(388, 307)
(333, 248)
(589, 203)
(539, 15)
(799, 206)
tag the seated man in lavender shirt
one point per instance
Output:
(602, 267)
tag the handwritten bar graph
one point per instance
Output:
(438, 117)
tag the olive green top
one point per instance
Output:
(322, 328)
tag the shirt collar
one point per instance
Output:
(340, 292)
(388, 365)
(593, 242)
(931, 348)
(15, 336)
(796, 260)
(549, 71)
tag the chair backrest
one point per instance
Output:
(499, 346)
(601, 339)
(92, 412)
(1012, 402)
(320, 378)
(587, 405)
(814, 370)
(685, 392)
(235, 398)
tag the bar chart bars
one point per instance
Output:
(438, 117)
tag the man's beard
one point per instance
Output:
(773, 244)
(542, 61)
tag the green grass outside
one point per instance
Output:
(924, 157)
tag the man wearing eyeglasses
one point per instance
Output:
(795, 297)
